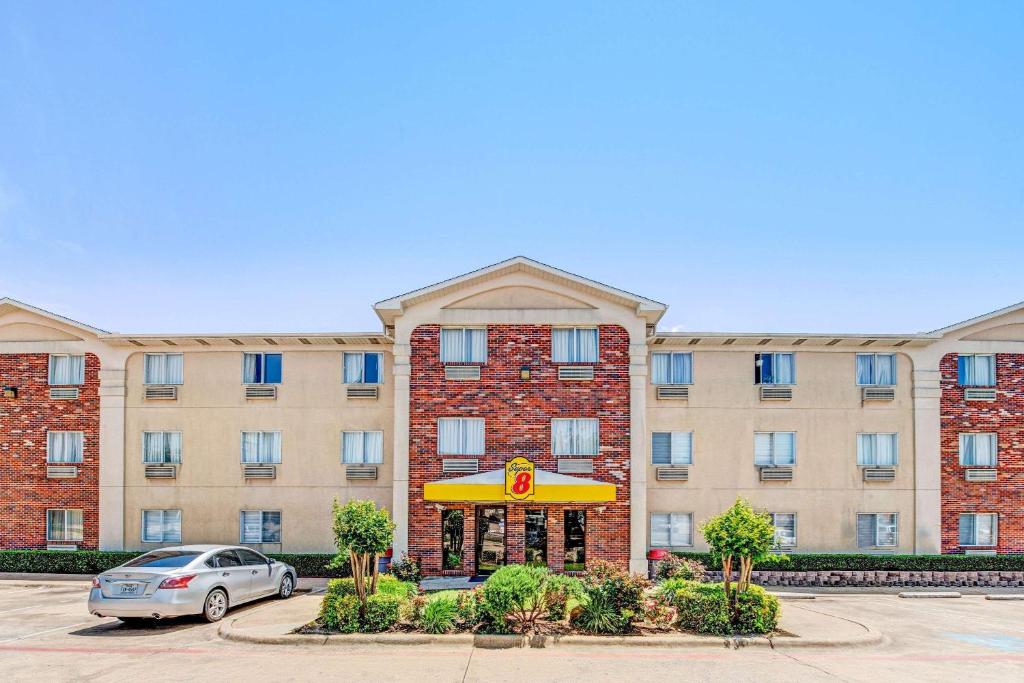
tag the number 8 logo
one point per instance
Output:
(521, 484)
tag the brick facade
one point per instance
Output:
(24, 423)
(518, 417)
(1005, 417)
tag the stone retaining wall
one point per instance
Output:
(884, 578)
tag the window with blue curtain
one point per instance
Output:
(261, 368)
(774, 368)
(978, 370)
(672, 368)
(574, 345)
(876, 369)
(363, 368)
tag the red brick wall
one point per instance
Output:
(24, 422)
(518, 417)
(1005, 417)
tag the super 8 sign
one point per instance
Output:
(519, 479)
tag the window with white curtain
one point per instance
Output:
(877, 530)
(979, 450)
(774, 368)
(66, 369)
(574, 345)
(261, 368)
(261, 447)
(672, 448)
(978, 370)
(877, 449)
(64, 526)
(774, 448)
(161, 526)
(161, 447)
(362, 447)
(460, 436)
(463, 345)
(62, 447)
(785, 529)
(671, 529)
(575, 436)
(363, 368)
(876, 369)
(979, 529)
(672, 368)
(260, 526)
(163, 368)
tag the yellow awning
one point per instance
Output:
(489, 487)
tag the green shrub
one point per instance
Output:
(468, 605)
(758, 611)
(381, 612)
(560, 589)
(406, 569)
(440, 615)
(659, 612)
(625, 590)
(598, 614)
(390, 585)
(675, 567)
(340, 612)
(514, 593)
(704, 608)
(341, 587)
(96, 561)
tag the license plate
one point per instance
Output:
(129, 588)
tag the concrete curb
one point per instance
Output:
(1005, 596)
(930, 595)
(228, 631)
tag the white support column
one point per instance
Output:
(400, 504)
(927, 456)
(111, 475)
(638, 453)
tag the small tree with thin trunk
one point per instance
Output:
(362, 532)
(738, 538)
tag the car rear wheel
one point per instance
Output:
(216, 605)
(287, 587)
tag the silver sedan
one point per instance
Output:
(189, 579)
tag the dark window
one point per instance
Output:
(537, 537)
(451, 538)
(163, 558)
(575, 540)
(251, 557)
(228, 558)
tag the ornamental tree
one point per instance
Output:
(739, 535)
(362, 532)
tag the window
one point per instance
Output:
(672, 368)
(876, 530)
(363, 368)
(166, 368)
(536, 538)
(460, 435)
(67, 369)
(161, 526)
(785, 529)
(362, 447)
(577, 436)
(227, 558)
(877, 450)
(261, 368)
(164, 558)
(251, 557)
(672, 448)
(671, 529)
(774, 368)
(64, 526)
(774, 448)
(261, 447)
(979, 450)
(452, 533)
(260, 526)
(574, 539)
(876, 368)
(64, 447)
(161, 447)
(463, 345)
(979, 529)
(977, 370)
(574, 345)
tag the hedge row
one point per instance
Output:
(821, 562)
(96, 561)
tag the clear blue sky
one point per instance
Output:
(762, 166)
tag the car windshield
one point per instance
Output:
(164, 558)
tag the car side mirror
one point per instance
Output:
(271, 560)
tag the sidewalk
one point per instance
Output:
(273, 624)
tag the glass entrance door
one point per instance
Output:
(490, 539)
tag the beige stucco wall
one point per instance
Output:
(827, 491)
(311, 412)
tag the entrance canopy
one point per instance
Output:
(549, 487)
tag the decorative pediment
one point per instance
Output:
(511, 297)
(22, 322)
(1013, 332)
(30, 332)
(1006, 324)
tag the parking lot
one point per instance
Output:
(47, 634)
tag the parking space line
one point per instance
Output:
(40, 633)
(21, 609)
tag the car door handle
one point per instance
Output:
(225, 574)
(254, 571)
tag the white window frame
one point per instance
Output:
(574, 345)
(863, 462)
(362, 372)
(280, 443)
(361, 435)
(671, 540)
(877, 515)
(49, 370)
(164, 536)
(575, 436)
(80, 454)
(774, 354)
(961, 442)
(463, 448)
(145, 369)
(774, 456)
(164, 433)
(775, 540)
(995, 529)
(49, 535)
(973, 356)
(241, 527)
(670, 354)
(672, 449)
(468, 348)
(263, 367)
(874, 370)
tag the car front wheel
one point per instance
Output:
(216, 605)
(287, 587)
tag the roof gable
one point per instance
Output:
(972, 326)
(13, 307)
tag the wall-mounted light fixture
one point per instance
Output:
(438, 507)
(524, 372)
(600, 509)
(10, 392)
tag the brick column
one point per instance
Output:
(515, 534)
(469, 540)
(556, 539)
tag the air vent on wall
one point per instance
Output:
(259, 471)
(361, 391)
(461, 465)
(458, 372)
(878, 393)
(576, 372)
(979, 552)
(159, 471)
(775, 392)
(979, 394)
(986, 474)
(61, 471)
(360, 472)
(674, 392)
(575, 466)
(166, 393)
(776, 474)
(261, 391)
(879, 473)
(674, 473)
(64, 393)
